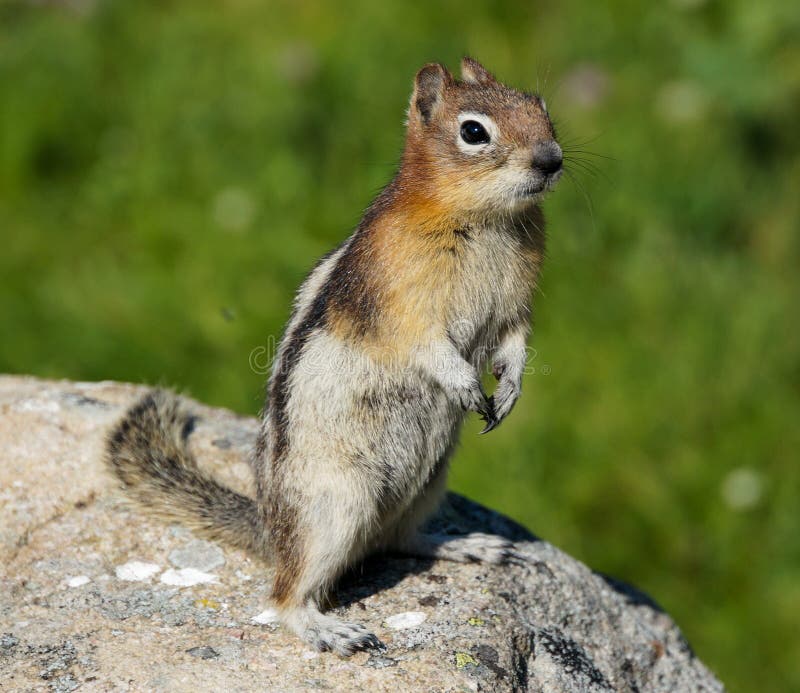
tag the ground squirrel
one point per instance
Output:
(380, 360)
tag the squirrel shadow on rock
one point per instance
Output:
(632, 595)
(457, 516)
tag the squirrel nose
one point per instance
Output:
(547, 157)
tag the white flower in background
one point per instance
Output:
(742, 488)
(233, 209)
(682, 101)
(586, 85)
(297, 63)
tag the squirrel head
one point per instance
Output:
(479, 146)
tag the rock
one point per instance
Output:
(550, 624)
(198, 554)
(136, 571)
(186, 577)
(408, 619)
(203, 652)
(78, 581)
(266, 617)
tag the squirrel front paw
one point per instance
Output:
(471, 397)
(506, 394)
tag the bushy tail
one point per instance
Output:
(147, 452)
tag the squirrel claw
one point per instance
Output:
(375, 644)
(488, 415)
(490, 426)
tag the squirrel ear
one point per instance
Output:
(475, 73)
(429, 85)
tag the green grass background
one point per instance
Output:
(170, 170)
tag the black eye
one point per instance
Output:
(472, 132)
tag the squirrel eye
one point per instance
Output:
(472, 132)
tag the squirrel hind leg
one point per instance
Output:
(327, 633)
(315, 539)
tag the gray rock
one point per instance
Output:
(7, 642)
(380, 662)
(199, 554)
(550, 624)
(204, 652)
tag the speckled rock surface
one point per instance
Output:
(98, 597)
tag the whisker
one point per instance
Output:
(569, 156)
(585, 171)
(587, 152)
(586, 166)
(547, 76)
(581, 143)
(586, 197)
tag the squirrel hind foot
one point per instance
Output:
(328, 633)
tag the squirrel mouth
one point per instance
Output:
(531, 190)
(542, 186)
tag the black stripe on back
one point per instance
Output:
(348, 288)
(278, 396)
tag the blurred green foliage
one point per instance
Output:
(170, 170)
